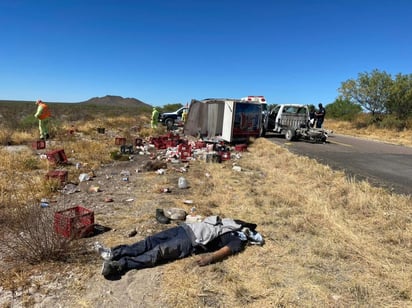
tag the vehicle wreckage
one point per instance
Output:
(237, 120)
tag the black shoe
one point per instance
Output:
(47, 136)
(160, 217)
(110, 268)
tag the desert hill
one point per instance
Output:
(108, 100)
(112, 100)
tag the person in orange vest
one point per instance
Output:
(43, 113)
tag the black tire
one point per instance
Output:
(169, 123)
(290, 135)
(262, 132)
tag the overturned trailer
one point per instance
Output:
(231, 120)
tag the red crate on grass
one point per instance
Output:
(75, 222)
(39, 144)
(184, 150)
(119, 141)
(57, 156)
(61, 175)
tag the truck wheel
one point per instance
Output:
(262, 132)
(290, 135)
(169, 123)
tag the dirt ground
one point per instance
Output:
(120, 206)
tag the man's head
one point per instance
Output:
(320, 105)
(38, 101)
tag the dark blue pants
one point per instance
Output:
(170, 244)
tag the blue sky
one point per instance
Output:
(166, 51)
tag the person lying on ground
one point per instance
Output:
(219, 237)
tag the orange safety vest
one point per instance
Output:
(45, 111)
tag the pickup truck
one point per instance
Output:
(170, 119)
(292, 121)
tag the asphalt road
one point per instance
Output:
(381, 164)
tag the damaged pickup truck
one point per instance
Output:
(292, 121)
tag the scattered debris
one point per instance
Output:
(154, 165)
(44, 202)
(175, 213)
(161, 217)
(93, 189)
(161, 171)
(70, 189)
(132, 233)
(182, 183)
(84, 177)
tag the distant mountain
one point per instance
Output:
(112, 100)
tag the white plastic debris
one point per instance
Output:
(84, 177)
(160, 171)
(182, 183)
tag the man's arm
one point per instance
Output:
(38, 111)
(215, 256)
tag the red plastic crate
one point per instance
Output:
(200, 144)
(225, 155)
(39, 144)
(61, 175)
(184, 150)
(57, 156)
(171, 143)
(75, 222)
(119, 141)
(159, 143)
(240, 147)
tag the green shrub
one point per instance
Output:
(391, 122)
(28, 122)
(343, 110)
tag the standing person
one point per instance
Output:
(221, 237)
(184, 116)
(155, 117)
(312, 117)
(320, 116)
(43, 114)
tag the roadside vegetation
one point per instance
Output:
(386, 99)
(331, 241)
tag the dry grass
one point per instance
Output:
(393, 136)
(330, 241)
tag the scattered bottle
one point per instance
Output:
(182, 183)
